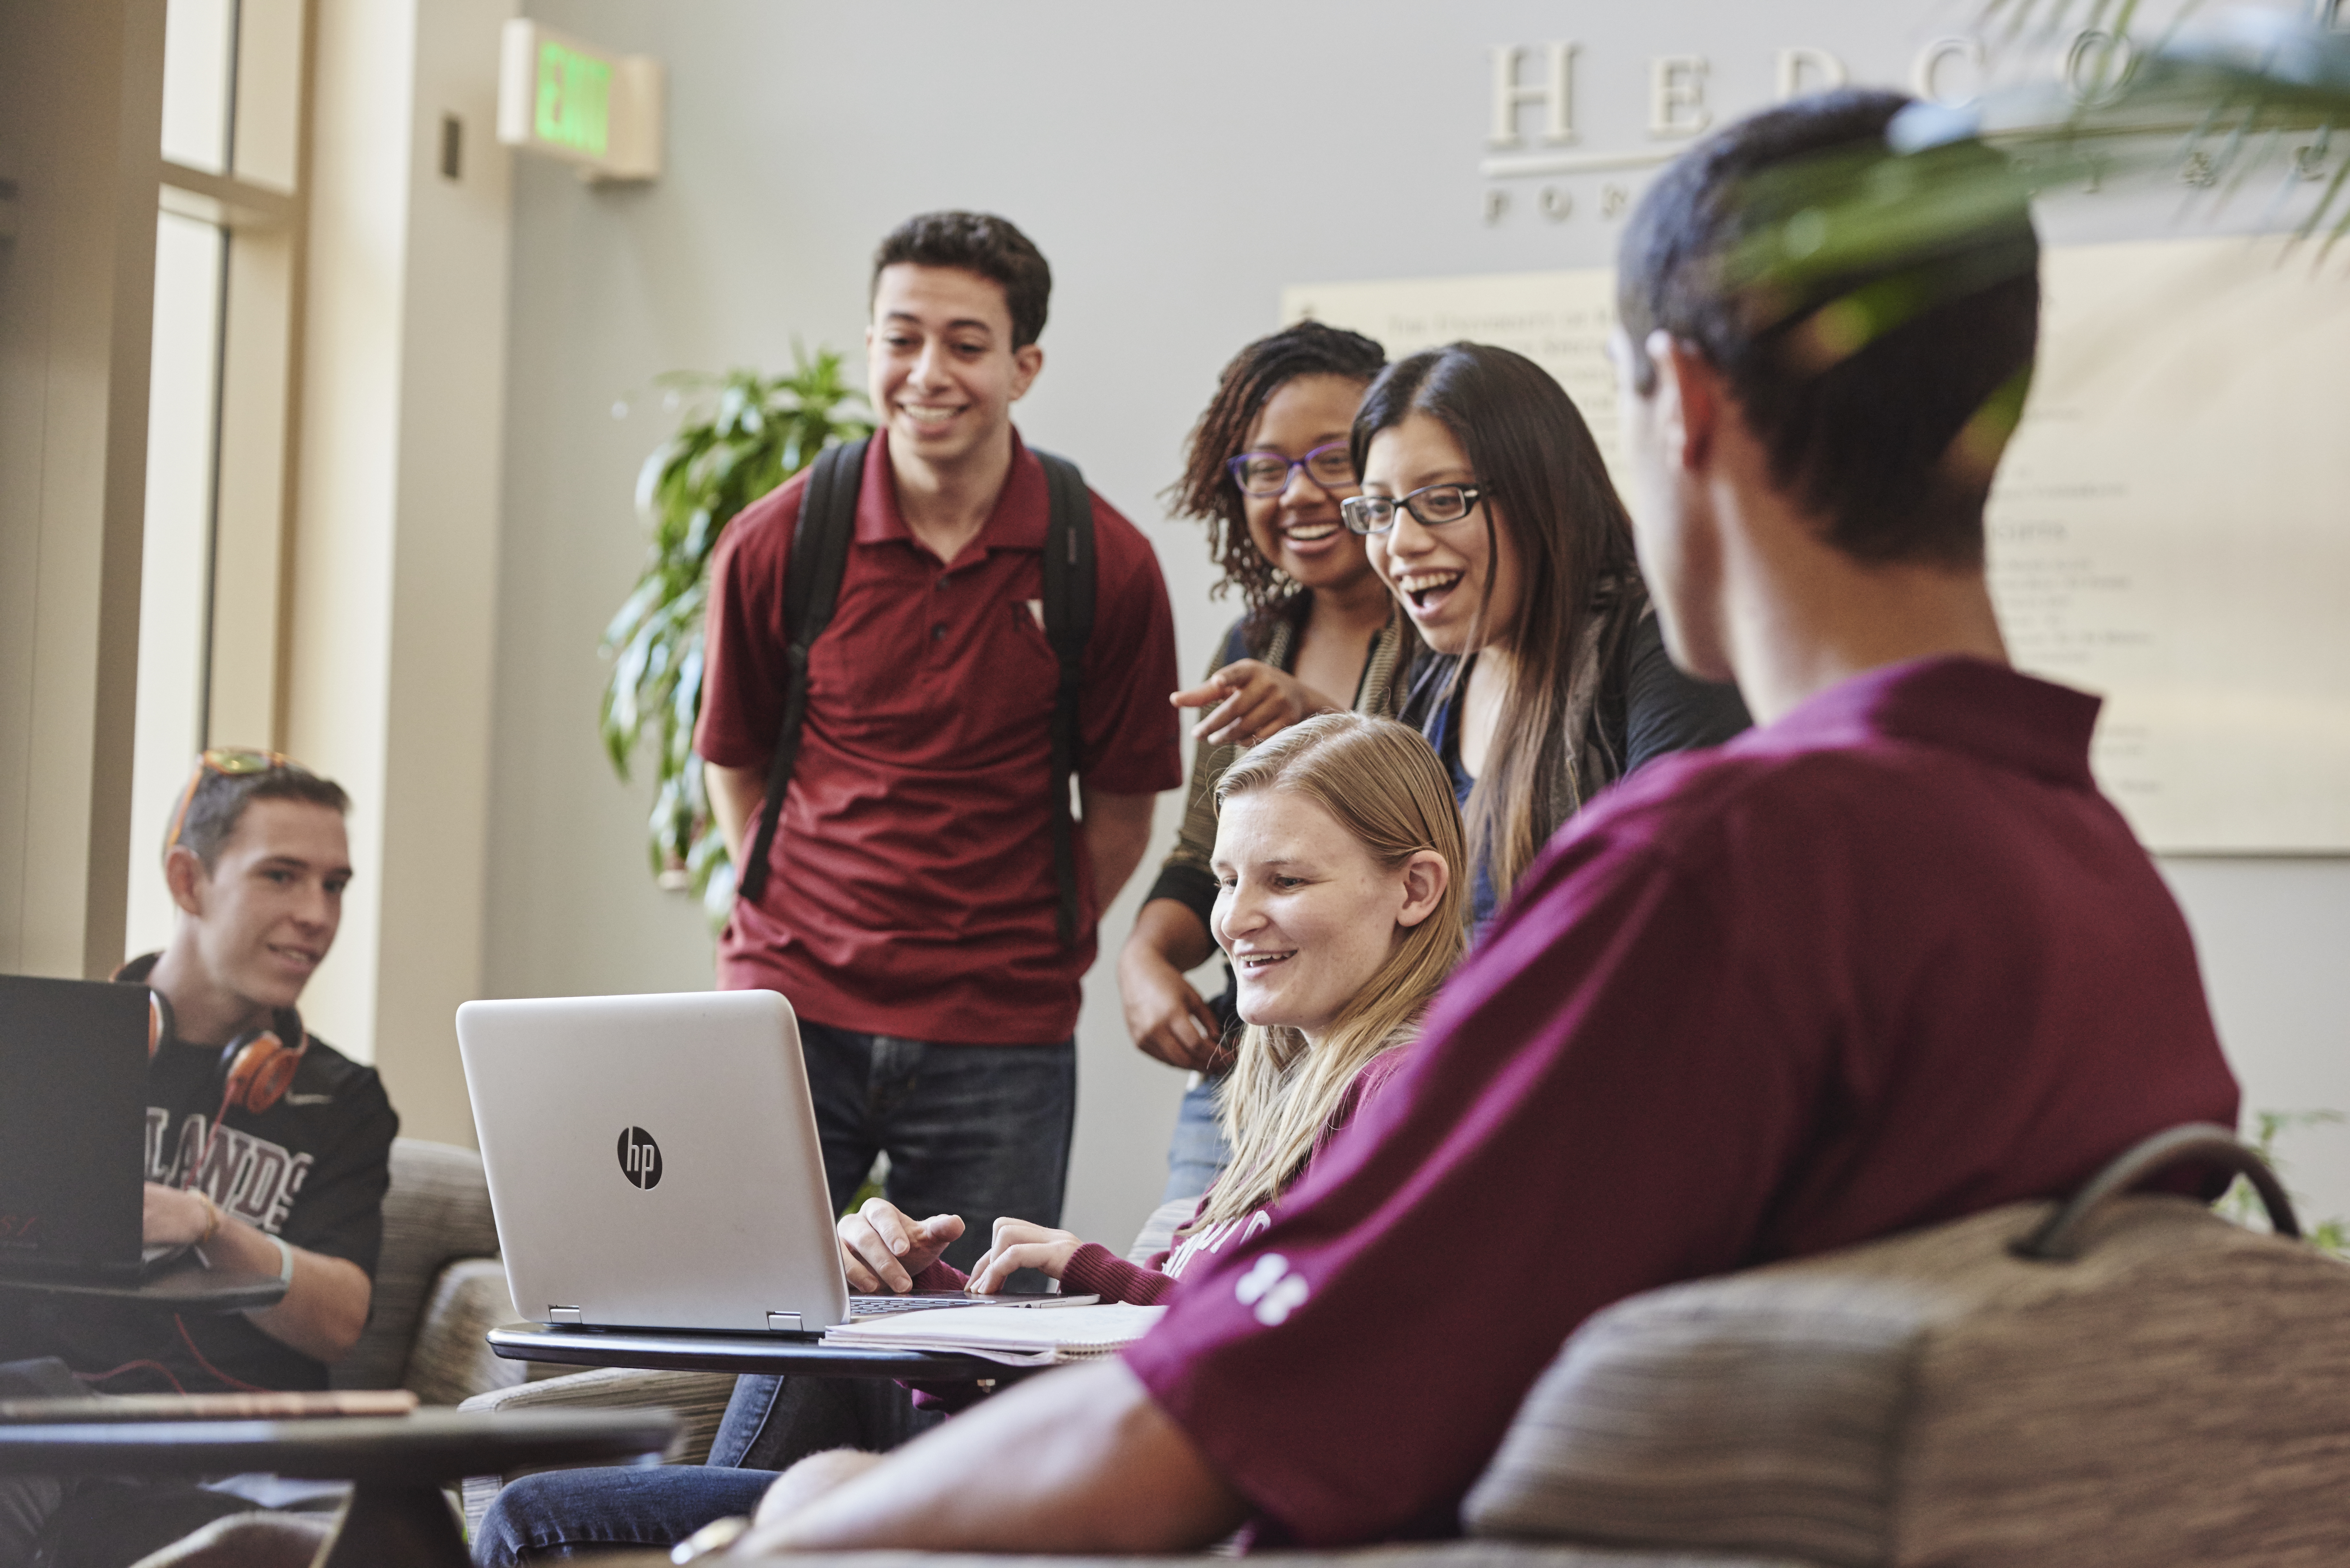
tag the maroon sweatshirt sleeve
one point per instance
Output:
(939, 1276)
(1095, 1270)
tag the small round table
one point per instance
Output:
(192, 1289)
(396, 1464)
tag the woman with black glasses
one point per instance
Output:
(1265, 469)
(1489, 513)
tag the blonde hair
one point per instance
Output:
(1381, 782)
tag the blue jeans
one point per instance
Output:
(771, 1425)
(1197, 1153)
(981, 1131)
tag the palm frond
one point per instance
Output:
(1940, 210)
(742, 434)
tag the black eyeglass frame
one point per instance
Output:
(1233, 466)
(1472, 495)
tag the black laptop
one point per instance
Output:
(73, 1127)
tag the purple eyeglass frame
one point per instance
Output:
(1232, 467)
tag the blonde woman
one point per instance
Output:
(1338, 856)
(1338, 860)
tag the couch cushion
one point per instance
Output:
(437, 1210)
(451, 1359)
(1931, 1398)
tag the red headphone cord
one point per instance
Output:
(188, 1340)
(113, 1372)
(204, 1154)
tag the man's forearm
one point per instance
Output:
(1081, 1460)
(734, 796)
(1116, 831)
(325, 1307)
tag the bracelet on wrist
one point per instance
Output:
(211, 1217)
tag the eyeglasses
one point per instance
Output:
(1433, 504)
(231, 762)
(1261, 474)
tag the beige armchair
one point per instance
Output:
(439, 1286)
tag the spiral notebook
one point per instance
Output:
(1008, 1335)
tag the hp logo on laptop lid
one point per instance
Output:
(640, 1159)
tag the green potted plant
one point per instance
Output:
(740, 436)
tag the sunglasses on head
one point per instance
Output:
(230, 761)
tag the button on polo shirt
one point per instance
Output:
(911, 889)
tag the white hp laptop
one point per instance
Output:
(653, 1163)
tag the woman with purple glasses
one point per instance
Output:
(1266, 469)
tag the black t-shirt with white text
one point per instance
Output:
(311, 1171)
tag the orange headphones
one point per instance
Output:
(256, 1068)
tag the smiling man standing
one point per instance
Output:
(911, 905)
(268, 1152)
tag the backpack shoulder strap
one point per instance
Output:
(1069, 585)
(820, 541)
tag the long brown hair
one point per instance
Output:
(1380, 781)
(1528, 445)
(1206, 491)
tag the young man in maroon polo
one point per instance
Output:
(908, 912)
(1887, 959)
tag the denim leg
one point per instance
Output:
(840, 1074)
(559, 1514)
(745, 1424)
(773, 1423)
(981, 1131)
(1197, 1153)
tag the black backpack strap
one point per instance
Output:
(827, 523)
(1068, 627)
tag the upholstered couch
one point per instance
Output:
(2178, 1392)
(439, 1286)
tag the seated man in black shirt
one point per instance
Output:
(266, 1148)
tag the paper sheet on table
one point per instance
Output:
(1008, 1335)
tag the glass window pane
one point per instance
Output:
(268, 90)
(199, 58)
(175, 570)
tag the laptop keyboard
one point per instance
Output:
(882, 1306)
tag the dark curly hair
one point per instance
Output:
(1206, 491)
(978, 243)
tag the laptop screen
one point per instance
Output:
(73, 1118)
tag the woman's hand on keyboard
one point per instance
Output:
(882, 1250)
(1017, 1244)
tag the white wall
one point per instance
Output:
(396, 552)
(80, 109)
(1178, 166)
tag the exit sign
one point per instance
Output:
(572, 100)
